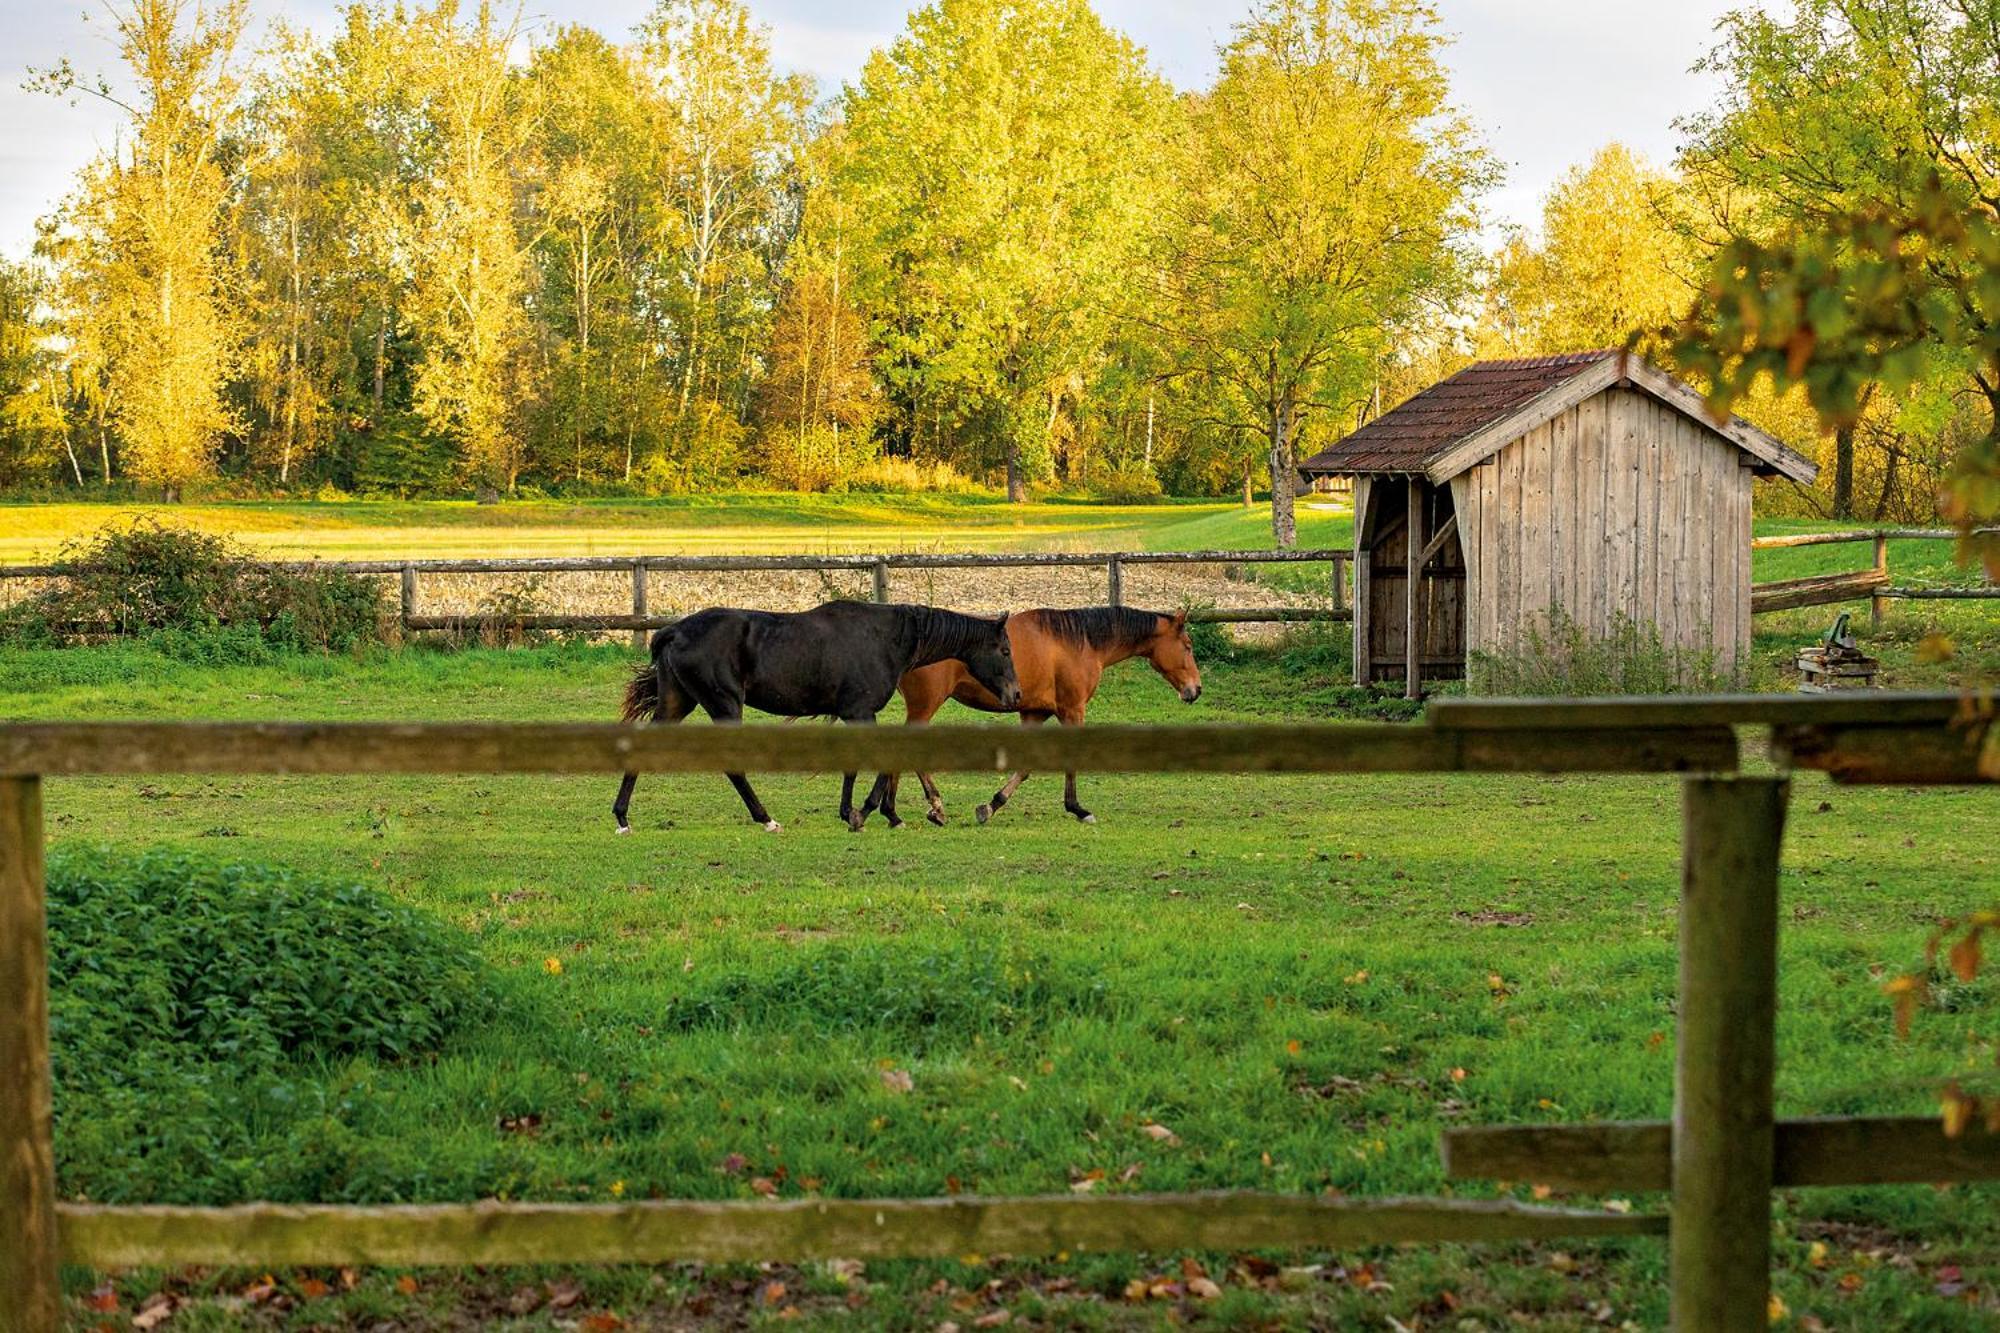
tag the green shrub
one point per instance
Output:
(200, 591)
(205, 1017)
(1559, 658)
(1130, 483)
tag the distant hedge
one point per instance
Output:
(148, 578)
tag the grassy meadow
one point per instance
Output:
(1304, 980)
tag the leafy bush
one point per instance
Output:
(198, 589)
(899, 476)
(820, 458)
(1130, 483)
(1560, 658)
(196, 1008)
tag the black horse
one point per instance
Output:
(840, 660)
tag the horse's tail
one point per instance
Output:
(642, 694)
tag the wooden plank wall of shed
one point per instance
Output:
(1621, 504)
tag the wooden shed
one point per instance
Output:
(1593, 483)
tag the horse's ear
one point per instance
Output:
(1180, 620)
(1002, 622)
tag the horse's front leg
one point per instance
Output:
(1013, 784)
(1070, 803)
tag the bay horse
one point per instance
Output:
(840, 660)
(1059, 658)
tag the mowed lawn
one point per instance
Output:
(710, 524)
(1304, 980)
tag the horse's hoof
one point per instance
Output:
(983, 813)
(936, 817)
(623, 829)
(773, 826)
(893, 821)
(1086, 819)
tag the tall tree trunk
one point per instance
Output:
(1249, 489)
(1017, 488)
(381, 350)
(1843, 472)
(1284, 477)
(1888, 483)
(104, 448)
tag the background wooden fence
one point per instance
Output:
(1873, 583)
(1720, 1155)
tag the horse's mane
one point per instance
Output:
(946, 632)
(1102, 626)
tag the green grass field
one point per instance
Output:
(1304, 979)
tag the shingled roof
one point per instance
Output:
(1460, 422)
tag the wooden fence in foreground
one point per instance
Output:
(1720, 1155)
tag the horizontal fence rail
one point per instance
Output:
(1638, 1155)
(796, 1231)
(1721, 1156)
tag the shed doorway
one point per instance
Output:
(1406, 529)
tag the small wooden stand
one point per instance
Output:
(1825, 669)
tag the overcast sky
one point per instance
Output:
(1548, 81)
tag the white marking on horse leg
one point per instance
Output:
(773, 826)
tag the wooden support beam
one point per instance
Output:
(1413, 588)
(1638, 1155)
(270, 1235)
(1720, 1250)
(30, 1291)
(1436, 543)
(640, 637)
(1364, 573)
(1878, 604)
(70, 748)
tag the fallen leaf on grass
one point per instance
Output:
(1160, 1134)
(998, 1319)
(157, 1309)
(603, 1322)
(313, 1289)
(527, 1300)
(564, 1294)
(103, 1300)
(774, 1293)
(407, 1285)
(898, 1080)
(1202, 1289)
(765, 1186)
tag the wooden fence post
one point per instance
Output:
(1413, 600)
(30, 1294)
(1877, 603)
(409, 594)
(1114, 581)
(881, 581)
(1722, 1133)
(639, 636)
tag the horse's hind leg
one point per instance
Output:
(674, 705)
(727, 710)
(1070, 803)
(852, 817)
(931, 794)
(882, 796)
(1013, 784)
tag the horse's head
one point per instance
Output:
(1172, 654)
(989, 655)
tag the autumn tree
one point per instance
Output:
(596, 215)
(1837, 108)
(725, 128)
(33, 421)
(468, 261)
(1324, 202)
(153, 215)
(1006, 155)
